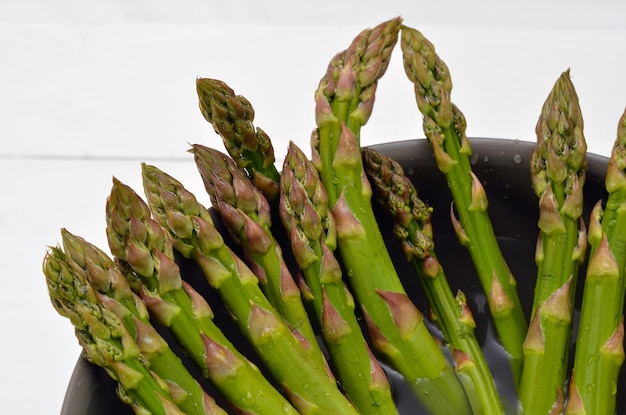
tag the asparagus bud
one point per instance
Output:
(109, 343)
(344, 100)
(444, 125)
(232, 118)
(102, 274)
(558, 168)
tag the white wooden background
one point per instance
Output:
(91, 88)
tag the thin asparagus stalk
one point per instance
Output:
(599, 345)
(105, 339)
(413, 230)
(444, 126)
(98, 269)
(232, 118)
(142, 245)
(558, 168)
(246, 214)
(305, 214)
(344, 101)
(193, 234)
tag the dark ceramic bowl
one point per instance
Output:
(502, 167)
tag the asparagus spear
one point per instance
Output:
(558, 168)
(412, 228)
(444, 126)
(107, 342)
(344, 101)
(232, 118)
(98, 269)
(193, 234)
(246, 214)
(599, 345)
(304, 212)
(140, 243)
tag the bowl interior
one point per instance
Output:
(502, 167)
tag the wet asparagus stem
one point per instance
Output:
(412, 228)
(105, 339)
(344, 101)
(558, 169)
(114, 291)
(444, 126)
(142, 245)
(189, 225)
(305, 214)
(232, 118)
(246, 214)
(599, 346)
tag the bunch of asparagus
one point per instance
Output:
(327, 338)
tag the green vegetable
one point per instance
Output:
(344, 101)
(325, 207)
(558, 169)
(444, 126)
(304, 212)
(232, 118)
(193, 234)
(102, 274)
(600, 342)
(246, 214)
(141, 245)
(413, 230)
(125, 352)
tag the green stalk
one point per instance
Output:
(246, 214)
(599, 345)
(104, 337)
(444, 126)
(193, 234)
(305, 214)
(142, 245)
(113, 290)
(344, 101)
(412, 228)
(558, 168)
(232, 118)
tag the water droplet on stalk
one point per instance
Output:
(248, 400)
(518, 159)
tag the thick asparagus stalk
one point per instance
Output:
(107, 342)
(232, 118)
(141, 244)
(246, 214)
(98, 269)
(344, 101)
(558, 168)
(599, 345)
(305, 214)
(444, 126)
(193, 234)
(412, 228)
